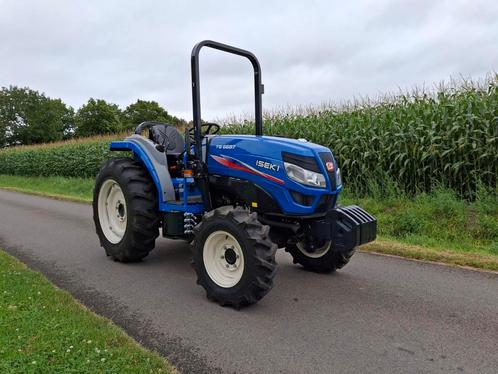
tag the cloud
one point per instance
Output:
(311, 52)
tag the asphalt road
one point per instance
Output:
(378, 315)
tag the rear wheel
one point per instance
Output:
(233, 256)
(125, 210)
(323, 259)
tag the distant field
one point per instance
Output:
(74, 158)
(410, 143)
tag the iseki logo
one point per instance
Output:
(267, 165)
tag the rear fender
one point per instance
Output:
(154, 161)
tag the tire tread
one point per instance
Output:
(144, 219)
(263, 255)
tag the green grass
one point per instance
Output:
(75, 189)
(44, 330)
(436, 220)
(437, 226)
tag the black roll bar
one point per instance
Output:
(196, 92)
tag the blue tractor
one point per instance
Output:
(235, 198)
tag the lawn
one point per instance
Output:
(437, 226)
(45, 330)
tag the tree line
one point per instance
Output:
(29, 117)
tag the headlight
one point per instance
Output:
(304, 176)
(338, 178)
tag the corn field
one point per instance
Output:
(412, 143)
(409, 144)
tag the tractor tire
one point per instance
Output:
(324, 260)
(233, 256)
(125, 210)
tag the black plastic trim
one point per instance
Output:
(242, 190)
(302, 199)
(326, 203)
(306, 162)
(327, 157)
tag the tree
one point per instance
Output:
(28, 117)
(143, 110)
(97, 117)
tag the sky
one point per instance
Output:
(311, 52)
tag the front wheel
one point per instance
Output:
(233, 256)
(323, 259)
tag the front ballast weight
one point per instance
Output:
(235, 198)
(346, 227)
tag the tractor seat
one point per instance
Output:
(169, 137)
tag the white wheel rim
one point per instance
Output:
(319, 252)
(112, 211)
(223, 259)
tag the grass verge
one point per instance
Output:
(73, 189)
(438, 220)
(434, 227)
(44, 329)
(438, 254)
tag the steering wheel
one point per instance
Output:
(207, 128)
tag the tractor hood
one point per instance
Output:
(260, 159)
(268, 146)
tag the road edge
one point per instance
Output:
(381, 246)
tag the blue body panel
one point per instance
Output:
(254, 158)
(249, 151)
(178, 183)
